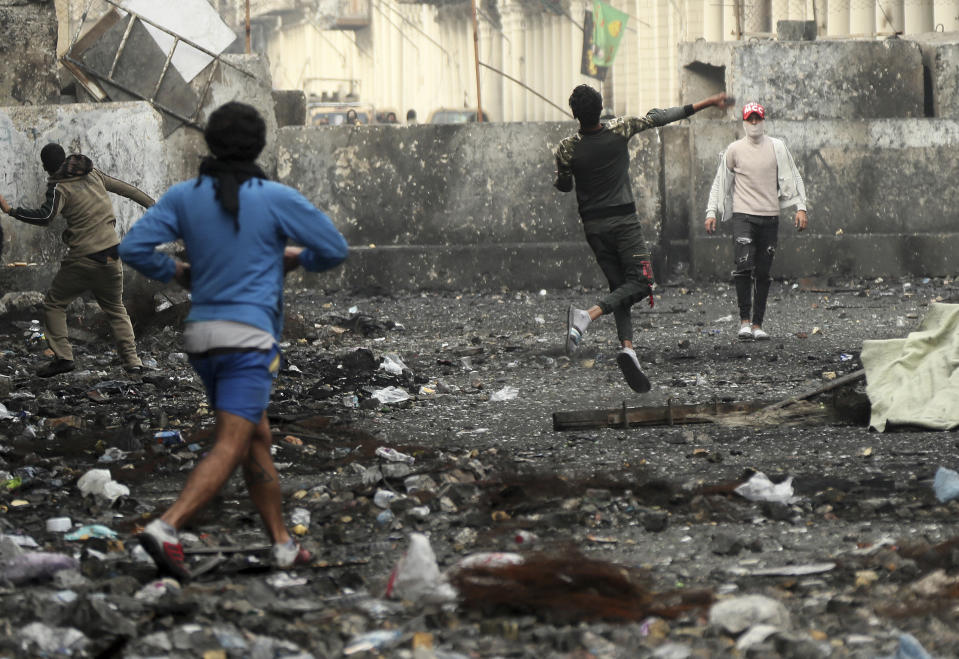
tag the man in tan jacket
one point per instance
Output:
(78, 191)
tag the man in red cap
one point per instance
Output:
(756, 179)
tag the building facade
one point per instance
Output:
(398, 55)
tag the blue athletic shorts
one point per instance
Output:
(238, 381)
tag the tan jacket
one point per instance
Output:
(78, 191)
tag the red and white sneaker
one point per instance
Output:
(290, 555)
(165, 549)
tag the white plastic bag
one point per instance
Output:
(417, 577)
(760, 488)
(99, 482)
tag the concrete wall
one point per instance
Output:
(798, 80)
(28, 46)
(122, 139)
(474, 203)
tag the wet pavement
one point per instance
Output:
(633, 541)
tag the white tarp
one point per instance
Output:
(915, 381)
(195, 20)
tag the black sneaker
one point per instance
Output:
(56, 367)
(165, 550)
(629, 365)
(133, 369)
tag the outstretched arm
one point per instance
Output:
(658, 117)
(40, 216)
(116, 186)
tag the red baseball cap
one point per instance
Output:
(753, 108)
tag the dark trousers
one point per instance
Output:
(756, 237)
(621, 254)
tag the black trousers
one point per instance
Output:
(756, 237)
(621, 254)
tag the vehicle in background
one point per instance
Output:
(335, 114)
(455, 116)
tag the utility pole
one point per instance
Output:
(248, 48)
(479, 99)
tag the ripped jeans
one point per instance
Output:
(755, 246)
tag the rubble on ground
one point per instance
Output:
(425, 418)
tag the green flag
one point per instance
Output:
(609, 24)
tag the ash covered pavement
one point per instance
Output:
(632, 542)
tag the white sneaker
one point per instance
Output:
(760, 335)
(291, 555)
(746, 333)
(577, 320)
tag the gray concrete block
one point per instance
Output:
(829, 79)
(450, 184)
(940, 59)
(122, 139)
(28, 47)
(290, 107)
(796, 30)
(514, 266)
(798, 80)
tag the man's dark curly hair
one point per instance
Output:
(235, 132)
(586, 104)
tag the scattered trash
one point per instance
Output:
(724, 319)
(490, 559)
(113, 454)
(845, 357)
(169, 438)
(91, 531)
(390, 395)
(909, 648)
(793, 570)
(738, 614)
(59, 524)
(393, 364)
(282, 580)
(946, 484)
(38, 637)
(506, 393)
(383, 498)
(392, 455)
(760, 488)
(99, 482)
(417, 577)
(35, 565)
(154, 591)
(300, 516)
(379, 640)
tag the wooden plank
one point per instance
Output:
(829, 386)
(651, 416)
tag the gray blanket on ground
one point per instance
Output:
(915, 381)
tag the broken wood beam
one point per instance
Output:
(626, 417)
(829, 386)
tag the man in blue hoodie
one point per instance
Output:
(235, 225)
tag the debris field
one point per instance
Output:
(422, 425)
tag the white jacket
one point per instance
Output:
(792, 191)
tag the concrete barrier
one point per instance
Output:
(471, 205)
(809, 80)
(28, 48)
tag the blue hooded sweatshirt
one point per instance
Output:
(236, 266)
